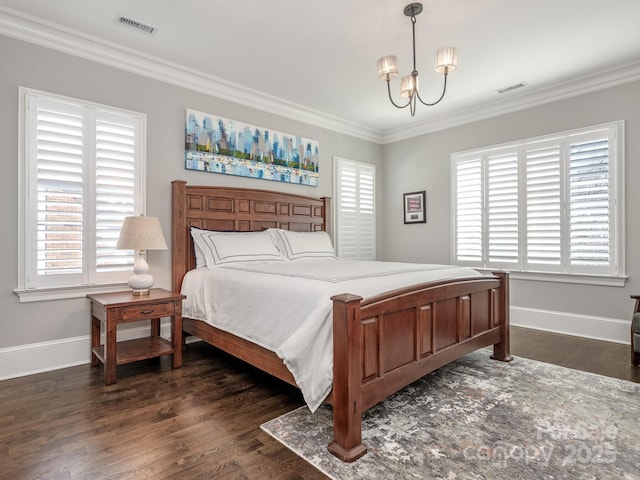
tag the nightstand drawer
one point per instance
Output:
(141, 312)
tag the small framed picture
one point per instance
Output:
(415, 207)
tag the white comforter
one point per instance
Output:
(286, 307)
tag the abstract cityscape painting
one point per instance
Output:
(220, 145)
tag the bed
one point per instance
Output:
(381, 343)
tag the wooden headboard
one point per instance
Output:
(240, 210)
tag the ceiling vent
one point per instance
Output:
(135, 24)
(511, 88)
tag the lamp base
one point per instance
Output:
(141, 281)
(140, 284)
(140, 293)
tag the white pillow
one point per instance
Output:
(201, 261)
(219, 248)
(303, 245)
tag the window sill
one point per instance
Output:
(602, 280)
(27, 295)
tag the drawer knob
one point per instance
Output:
(144, 312)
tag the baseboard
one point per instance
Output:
(45, 356)
(599, 328)
(42, 357)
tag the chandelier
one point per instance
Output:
(446, 61)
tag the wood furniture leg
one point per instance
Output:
(110, 341)
(176, 335)
(155, 327)
(347, 349)
(95, 340)
(501, 350)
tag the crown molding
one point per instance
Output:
(50, 35)
(588, 84)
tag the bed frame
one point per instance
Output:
(380, 344)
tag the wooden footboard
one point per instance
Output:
(384, 343)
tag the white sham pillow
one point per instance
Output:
(201, 261)
(303, 245)
(219, 248)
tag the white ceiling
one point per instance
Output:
(319, 57)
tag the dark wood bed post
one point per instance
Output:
(502, 350)
(347, 352)
(179, 239)
(326, 213)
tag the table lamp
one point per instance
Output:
(141, 234)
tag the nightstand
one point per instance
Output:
(115, 308)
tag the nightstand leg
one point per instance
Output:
(95, 340)
(110, 351)
(176, 335)
(155, 327)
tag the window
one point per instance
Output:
(83, 169)
(551, 204)
(354, 194)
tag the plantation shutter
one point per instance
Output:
(547, 205)
(468, 202)
(58, 183)
(84, 167)
(502, 208)
(543, 207)
(589, 202)
(355, 207)
(116, 154)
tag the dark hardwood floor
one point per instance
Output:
(198, 422)
(596, 356)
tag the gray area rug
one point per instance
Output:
(482, 419)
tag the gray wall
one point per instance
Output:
(23, 64)
(422, 163)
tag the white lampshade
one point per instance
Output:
(408, 85)
(388, 68)
(141, 233)
(446, 59)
